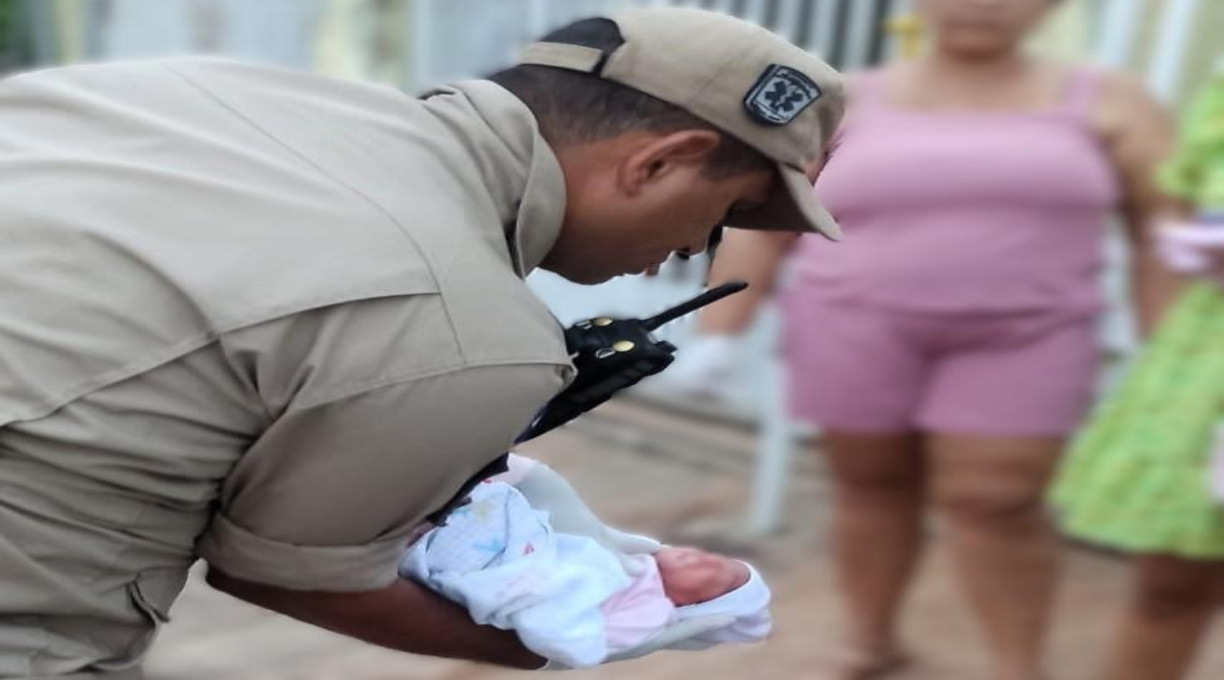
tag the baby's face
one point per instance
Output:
(691, 575)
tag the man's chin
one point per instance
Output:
(584, 277)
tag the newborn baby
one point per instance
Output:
(567, 597)
(692, 576)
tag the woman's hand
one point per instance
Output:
(1194, 248)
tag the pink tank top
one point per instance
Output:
(964, 211)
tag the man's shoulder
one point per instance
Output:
(233, 72)
(339, 351)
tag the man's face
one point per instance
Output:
(631, 209)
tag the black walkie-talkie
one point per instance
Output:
(612, 354)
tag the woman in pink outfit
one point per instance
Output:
(948, 345)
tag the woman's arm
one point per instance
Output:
(756, 256)
(752, 256)
(1138, 135)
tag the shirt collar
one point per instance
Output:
(520, 171)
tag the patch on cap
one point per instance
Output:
(779, 95)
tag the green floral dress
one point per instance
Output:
(1136, 477)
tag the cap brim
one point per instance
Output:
(791, 207)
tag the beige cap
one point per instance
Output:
(747, 81)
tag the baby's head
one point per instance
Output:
(691, 576)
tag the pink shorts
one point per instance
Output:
(856, 367)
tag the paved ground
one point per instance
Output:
(686, 482)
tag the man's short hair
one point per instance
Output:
(577, 108)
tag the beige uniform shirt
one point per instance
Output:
(255, 317)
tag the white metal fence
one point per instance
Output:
(461, 38)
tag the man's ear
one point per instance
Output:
(664, 154)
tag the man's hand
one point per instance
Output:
(402, 616)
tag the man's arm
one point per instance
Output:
(314, 518)
(403, 616)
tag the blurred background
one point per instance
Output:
(721, 471)
(415, 44)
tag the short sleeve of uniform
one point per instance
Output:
(327, 497)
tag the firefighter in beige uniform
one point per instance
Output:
(273, 321)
